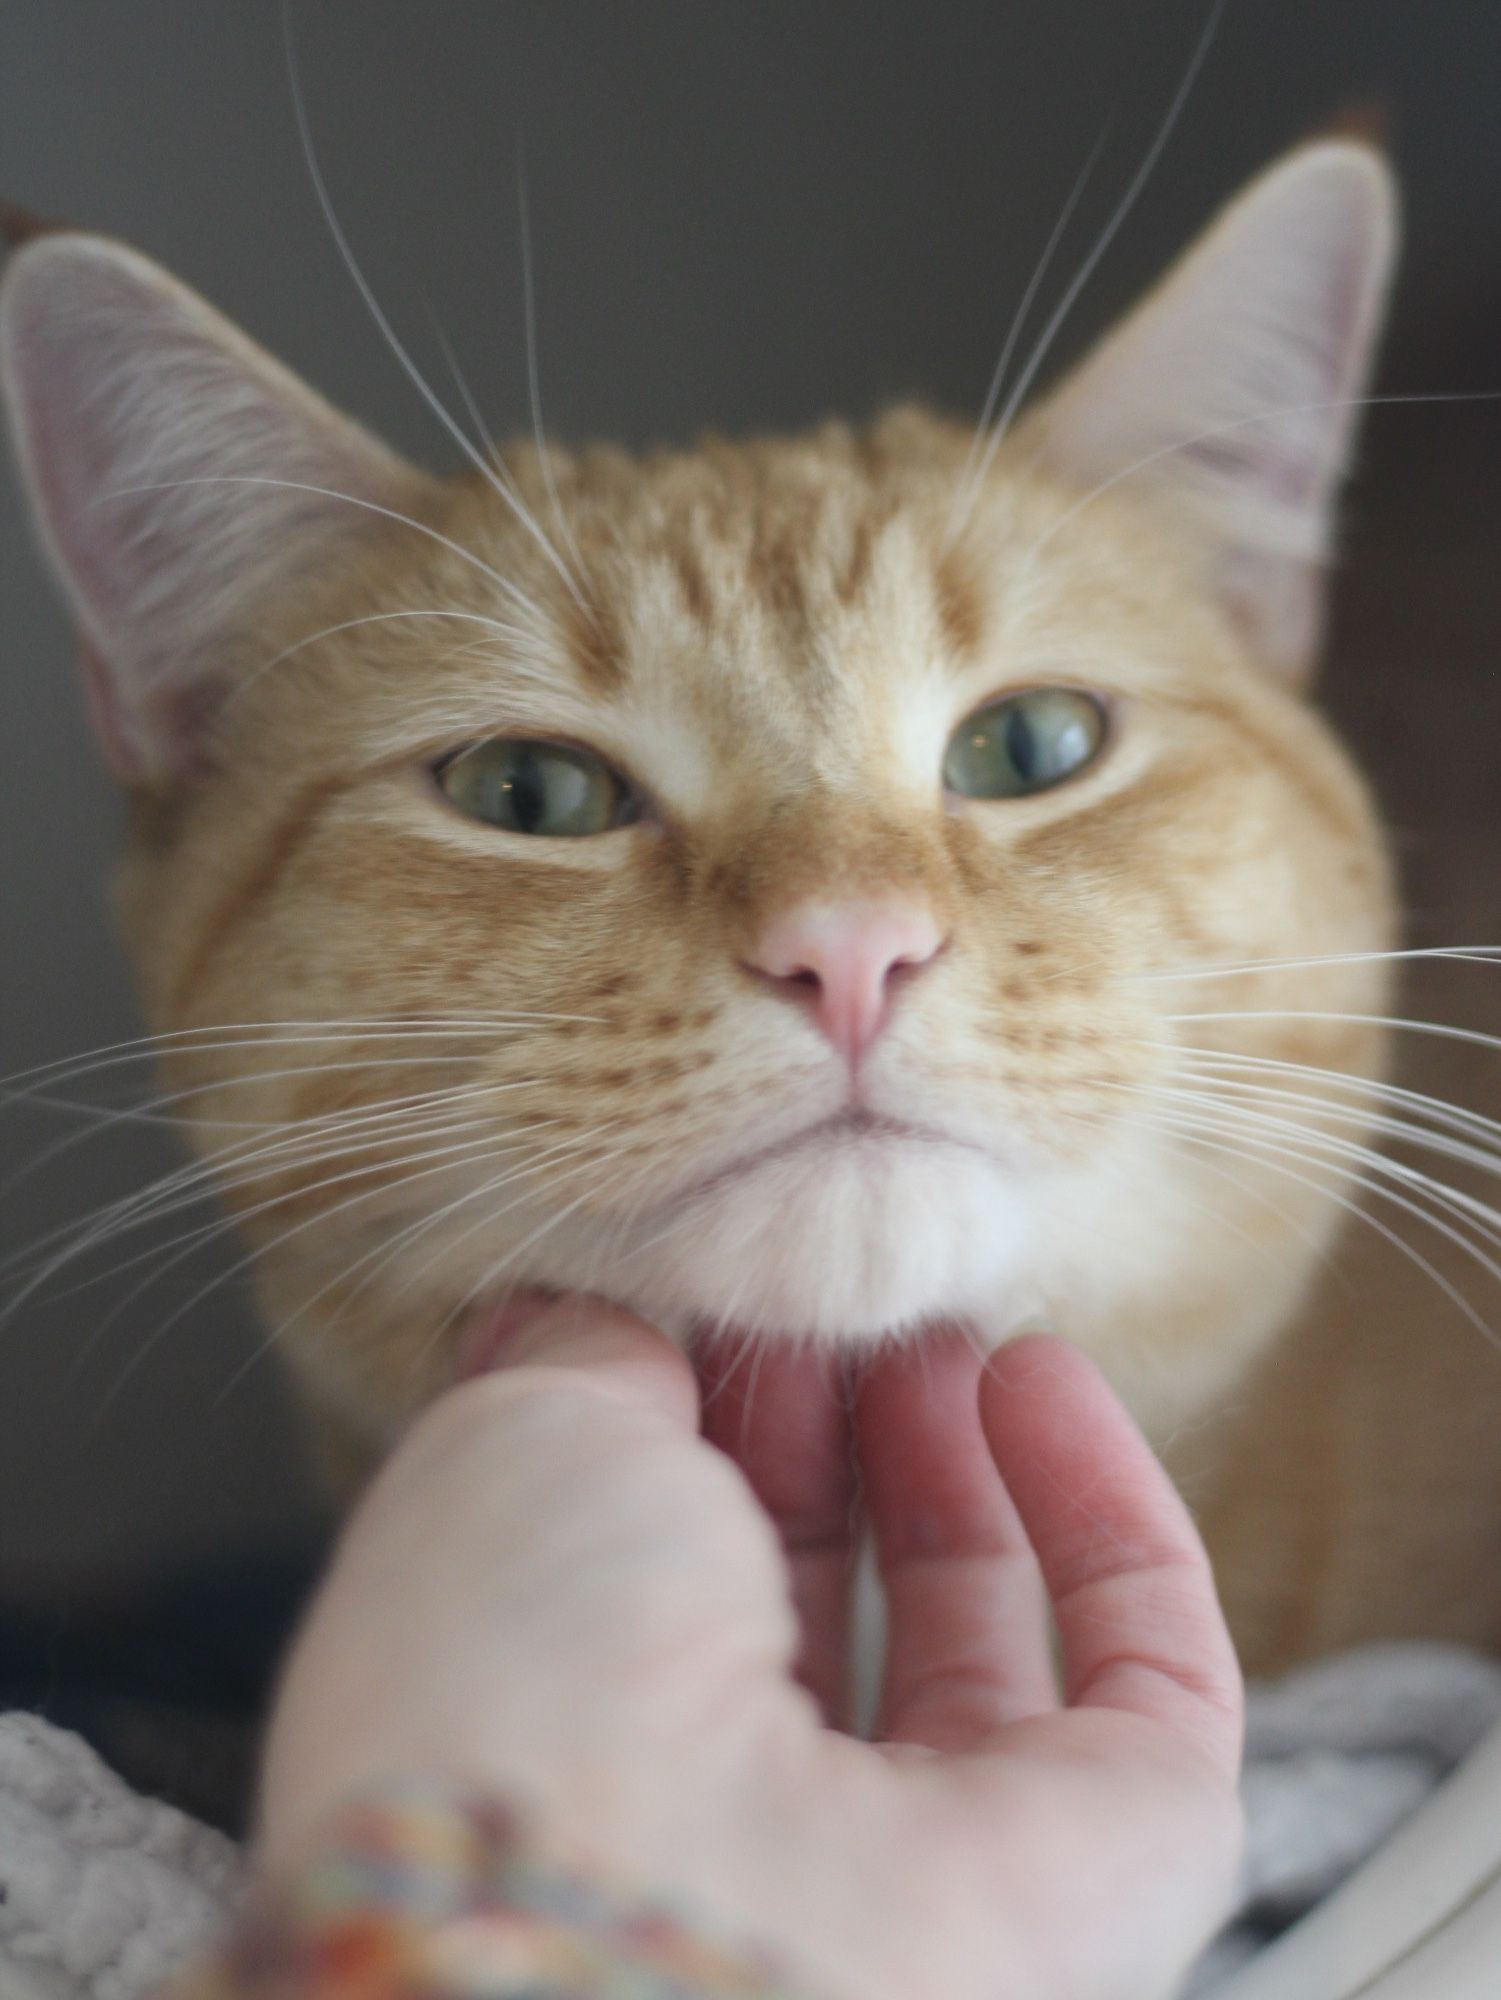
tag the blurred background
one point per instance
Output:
(745, 213)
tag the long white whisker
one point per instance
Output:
(444, 1164)
(1229, 428)
(545, 1228)
(261, 1139)
(225, 1168)
(533, 370)
(501, 471)
(377, 312)
(183, 1245)
(405, 1058)
(1484, 1219)
(1107, 236)
(328, 1028)
(384, 1254)
(963, 494)
(1475, 954)
(563, 1148)
(503, 584)
(1200, 1131)
(1444, 1029)
(493, 1274)
(493, 625)
(168, 1256)
(1486, 1158)
(217, 1177)
(1453, 1117)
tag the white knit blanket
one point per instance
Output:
(104, 1893)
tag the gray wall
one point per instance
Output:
(746, 212)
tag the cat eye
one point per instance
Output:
(549, 789)
(1024, 743)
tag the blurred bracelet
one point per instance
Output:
(427, 1893)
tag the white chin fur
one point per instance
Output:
(845, 1246)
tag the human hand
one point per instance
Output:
(557, 1590)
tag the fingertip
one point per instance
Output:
(598, 1340)
(1038, 1381)
(1029, 1356)
(1131, 1584)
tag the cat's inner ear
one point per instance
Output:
(1233, 389)
(171, 465)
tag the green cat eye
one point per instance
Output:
(1024, 743)
(549, 789)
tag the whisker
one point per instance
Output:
(168, 1256)
(563, 1148)
(1055, 322)
(1453, 1117)
(1444, 1029)
(964, 488)
(205, 1172)
(1487, 1159)
(243, 1079)
(444, 1164)
(262, 1034)
(409, 367)
(467, 556)
(491, 1277)
(103, 1118)
(1486, 1220)
(204, 1182)
(1475, 954)
(533, 371)
(184, 1244)
(385, 1253)
(493, 625)
(1200, 1132)
(1228, 429)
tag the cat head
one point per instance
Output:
(769, 883)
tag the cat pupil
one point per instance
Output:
(527, 787)
(1021, 744)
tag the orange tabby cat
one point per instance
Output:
(771, 884)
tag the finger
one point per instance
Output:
(968, 1643)
(1130, 1584)
(781, 1414)
(601, 1343)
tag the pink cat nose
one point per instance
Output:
(843, 960)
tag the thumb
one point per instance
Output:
(601, 1343)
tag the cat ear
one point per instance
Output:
(1231, 389)
(153, 438)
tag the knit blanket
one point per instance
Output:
(104, 1893)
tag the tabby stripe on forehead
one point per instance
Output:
(251, 888)
(693, 583)
(595, 647)
(961, 613)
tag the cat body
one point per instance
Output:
(430, 1055)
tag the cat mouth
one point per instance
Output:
(852, 1127)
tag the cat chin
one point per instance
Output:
(846, 1249)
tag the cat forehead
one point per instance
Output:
(768, 541)
(816, 560)
(776, 611)
(766, 592)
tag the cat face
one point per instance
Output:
(765, 884)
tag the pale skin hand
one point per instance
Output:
(558, 1590)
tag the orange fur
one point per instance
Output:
(319, 876)
(774, 639)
